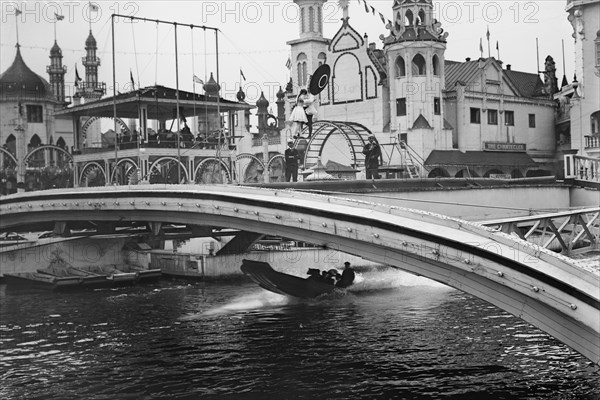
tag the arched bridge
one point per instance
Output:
(548, 290)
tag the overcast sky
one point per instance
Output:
(253, 36)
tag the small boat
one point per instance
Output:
(266, 277)
(43, 281)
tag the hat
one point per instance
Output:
(347, 263)
(371, 136)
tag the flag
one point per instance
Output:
(487, 35)
(288, 64)
(481, 45)
(497, 45)
(93, 7)
(131, 79)
(372, 9)
(366, 6)
(77, 78)
(242, 74)
(17, 12)
(382, 18)
(198, 80)
(59, 17)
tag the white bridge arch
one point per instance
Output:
(548, 290)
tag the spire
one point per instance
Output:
(56, 72)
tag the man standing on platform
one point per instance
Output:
(372, 153)
(291, 162)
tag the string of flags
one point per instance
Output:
(369, 9)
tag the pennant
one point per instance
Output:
(366, 6)
(481, 45)
(382, 18)
(17, 12)
(132, 81)
(242, 74)
(372, 10)
(198, 80)
(497, 45)
(288, 64)
(487, 35)
(59, 17)
(77, 78)
(94, 7)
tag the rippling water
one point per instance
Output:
(392, 336)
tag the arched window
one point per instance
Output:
(421, 17)
(418, 65)
(436, 65)
(11, 144)
(595, 123)
(34, 142)
(400, 67)
(319, 20)
(301, 63)
(322, 57)
(408, 18)
(61, 143)
(302, 20)
(311, 19)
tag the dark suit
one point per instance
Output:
(291, 164)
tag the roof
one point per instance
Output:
(478, 158)
(524, 83)
(20, 80)
(160, 101)
(456, 71)
(528, 85)
(421, 123)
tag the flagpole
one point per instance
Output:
(488, 40)
(17, 24)
(114, 92)
(178, 117)
(498, 48)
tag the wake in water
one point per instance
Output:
(254, 301)
(383, 278)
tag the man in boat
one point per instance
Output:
(314, 274)
(347, 276)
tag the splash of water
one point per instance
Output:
(258, 300)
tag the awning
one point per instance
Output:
(456, 158)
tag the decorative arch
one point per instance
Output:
(253, 171)
(419, 66)
(276, 164)
(125, 172)
(435, 63)
(58, 155)
(354, 134)
(92, 175)
(212, 170)
(91, 120)
(438, 173)
(400, 67)
(164, 170)
(466, 173)
(11, 144)
(347, 79)
(61, 143)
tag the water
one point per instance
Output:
(392, 336)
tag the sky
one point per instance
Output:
(252, 38)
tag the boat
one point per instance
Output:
(266, 277)
(42, 281)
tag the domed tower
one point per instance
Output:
(415, 56)
(56, 72)
(93, 89)
(310, 49)
(263, 110)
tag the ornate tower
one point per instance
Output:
(309, 51)
(92, 88)
(415, 56)
(56, 72)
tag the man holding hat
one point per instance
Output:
(291, 162)
(372, 153)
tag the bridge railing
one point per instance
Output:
(565, 232)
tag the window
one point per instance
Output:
(492, 117)
(302, 20)
(532, 120)
(437, 110)
(311, 19)
(34, 113)
(475, 116)
(418, 65)
(400, 67)
(509, 118)
(436, 65)
(595, 123)
(401, 107)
